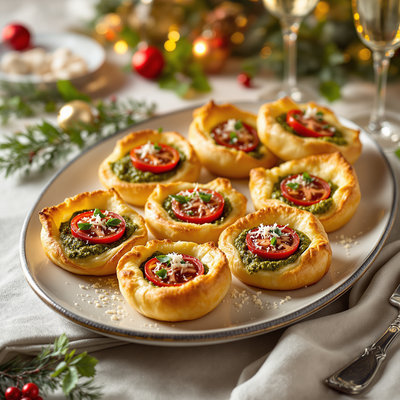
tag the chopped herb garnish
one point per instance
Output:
(183, 262)
(296, 116)
(97, 212)
(157, 146)
(278, 231)
(293, 185)
(162, 273)
(113, 222)
(320, 114)
(238, 125)
(160, 130)
(233, 136)
(307, 177)
(180, 199)
(273, 241)
(205, 197)
(325, 126)
(190, 212)
(164, 259)
(84, 226)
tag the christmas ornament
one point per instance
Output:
(73, 113)
(148, 62)
(244, 79)
(16, 36)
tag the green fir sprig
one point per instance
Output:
(52, 369)
(44, 145)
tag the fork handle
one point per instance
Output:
(356, 376)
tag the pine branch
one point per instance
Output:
(51, 369)
(45, 145)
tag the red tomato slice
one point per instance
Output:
(197, 211)
(246, 138)
(308, 127)
(163, 160)
(97, 234)
(260, 245)
(174, 277)
(306, 194)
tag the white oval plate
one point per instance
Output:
(354, 247)
(87, 48)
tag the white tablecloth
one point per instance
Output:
(285, 364)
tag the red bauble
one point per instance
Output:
(16, 36)
(30, 390)
(244, 79)
(148, 62)
(13, 393)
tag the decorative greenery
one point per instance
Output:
(53, 368)
(44, 145)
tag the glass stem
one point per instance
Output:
(381, 66)
(290, 29)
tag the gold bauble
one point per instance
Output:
(73, 113)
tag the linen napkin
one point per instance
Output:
(311, 351)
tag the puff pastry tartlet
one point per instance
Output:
(334, 210)
(226, 141)
(79, 256)
(181, 296)
(277, 122)
(309, 262)
(154, 151)
(203, 210)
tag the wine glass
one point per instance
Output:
(290, 14)
(378, 25)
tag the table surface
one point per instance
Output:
(118, 360)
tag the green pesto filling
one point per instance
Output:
(77, 248)
(256, 153)
(319, 208)
(125, 171)
(167, 205)
(254, 263)
(336, 138)
(159, 253)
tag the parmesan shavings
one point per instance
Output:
(311, 112)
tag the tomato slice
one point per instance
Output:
(154, 157)
(192, 205)
(308, 127)
(175, 274)
(265, 242)
(305, 192)
(98, 233)
(236, 134)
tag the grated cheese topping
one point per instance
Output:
(311, 112)
(177, 264)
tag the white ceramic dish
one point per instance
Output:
(73, 296)
(90, 50)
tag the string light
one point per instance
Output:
(356, 16)
(101, 28)
(359, 29)
(170, 45)
(237, 37)
(241, 21)
(200, 48)
(321, 10)
(364, 54)
(174, 36)
(121, 47)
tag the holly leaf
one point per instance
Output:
(70, 380)
(69, 92)
(60, 369)
(330, 90)
(86, 365)
(131, 37)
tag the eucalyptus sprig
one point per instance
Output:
(43, 145)
(52, 369)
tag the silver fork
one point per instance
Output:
(356, 376)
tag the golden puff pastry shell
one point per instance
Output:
(189, 301)
(164, 227)
(137, 193)
(220, 160)
(102, 264)
(330, 167)
(288, 146)
(309, 267)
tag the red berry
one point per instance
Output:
(245, 79)
(30, 390)
(39, 398)
(148, 62)
(28, 398)
(16, 36)
(13, 393)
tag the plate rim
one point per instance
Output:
(213, 336)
